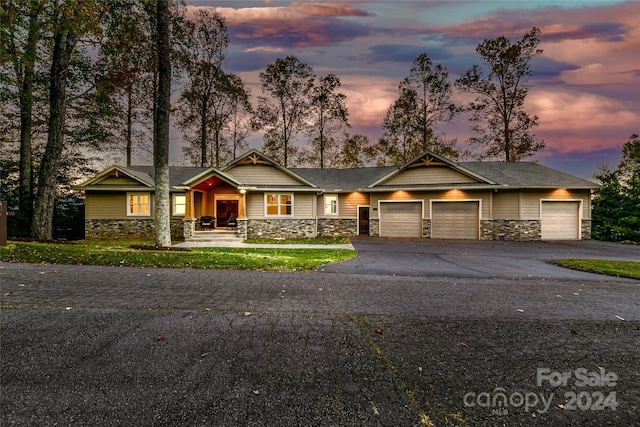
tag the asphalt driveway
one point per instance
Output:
(120, 346)
(478, 259)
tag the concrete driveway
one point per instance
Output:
(478, 259)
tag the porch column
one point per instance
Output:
(189, 209)
(242, 203)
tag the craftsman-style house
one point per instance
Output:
(428, 197)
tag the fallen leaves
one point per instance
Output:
(160, 338)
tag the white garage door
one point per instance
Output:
(560, 220)
(455, 220)
(401, 219)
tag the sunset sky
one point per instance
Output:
(585, 87)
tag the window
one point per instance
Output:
(279, 204)
(331, 204)
(179, 204)
(138, 204)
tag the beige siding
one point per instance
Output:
(105, 205)
(262, 175)
(110, 205)
(255, 205)
(302, 205)
(347, 204)
(506, 205)
(119, 180)
(530, 201)
(429, 175)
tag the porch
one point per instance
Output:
(214, 210)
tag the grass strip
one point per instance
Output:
(110, 253)
(628, 269)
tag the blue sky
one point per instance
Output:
(585, 87)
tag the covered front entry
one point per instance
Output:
(214, 203)
(225, 210)
(401, 219)
(455, 220)
(560, 220)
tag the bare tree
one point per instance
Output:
(424, 100)
(329, 115)
(204, 106)
(501, 124)
(284, 106)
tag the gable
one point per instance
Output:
(118, 180)
(262, 174)
(430, 169)
(255, 169)
(426, 175)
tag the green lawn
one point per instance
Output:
(304, 241)
(121, 253)
(612, 268)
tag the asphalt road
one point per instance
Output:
(344, 346)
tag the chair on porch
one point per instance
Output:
(232, 223)
(207, 222)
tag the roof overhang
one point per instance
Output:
(92, 184)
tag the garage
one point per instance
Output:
(401, 219)
(560, 220)
(455, 220)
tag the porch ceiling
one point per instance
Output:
(208, 184)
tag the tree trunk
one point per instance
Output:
(129, 121)
(25, 189)
(161, 125)
(203, 135)
(65, 42)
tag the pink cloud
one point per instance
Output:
(300, 24)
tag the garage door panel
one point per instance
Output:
(401, 219)
(560, 220)
(455, 220)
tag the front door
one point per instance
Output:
(363, 220)
(225, 209)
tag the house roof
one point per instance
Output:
(493, 175)
(344, 179)
(527, 175)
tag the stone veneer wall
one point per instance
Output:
(374, 227)
(328, 227)
(134, 228)
(586, 229)
(426, 228)
(188, 227)
(279, 228)
(510, 229)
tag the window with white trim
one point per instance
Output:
(278, 204)
(138, 204)
(179, 202)
(331, 204)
